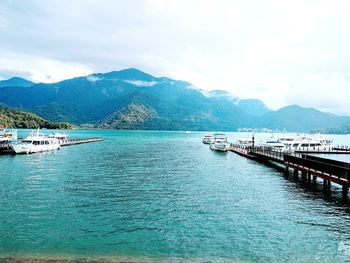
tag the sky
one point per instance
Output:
(282, 52)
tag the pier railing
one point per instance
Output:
(333, 170)
(327, 169)
(269, 153)
(275, 151)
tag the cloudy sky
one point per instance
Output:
(282, 52)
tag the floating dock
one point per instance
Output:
(310, 167)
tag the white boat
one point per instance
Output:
(208, 139)
(35, 142)
(307, 145)
(220, 143)
(275, 144)
(322, 139)
(299, 142)
(58, 135)
(245, 142)
(8, 135)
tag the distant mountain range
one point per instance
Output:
(16, 82)
(132, 99)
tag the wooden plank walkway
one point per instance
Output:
(79, 141)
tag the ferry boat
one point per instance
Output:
(59, 136)
(8, 135)
(322, 139)
(219, 143)
(308, 145)
(208, 139)
(300, 143)
(245, 142)
(275, 144)
(35, 142)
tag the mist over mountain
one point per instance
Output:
(132, 99)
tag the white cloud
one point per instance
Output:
(271, 50)
(40, 69)
(141, 83)
(92, 78)
(326, 91)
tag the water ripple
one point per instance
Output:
(163, 195)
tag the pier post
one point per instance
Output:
(303, 175)
(345, 191)
(308, 178)
(324, 184)
(314, 179)
(329, 184)
(296, 172)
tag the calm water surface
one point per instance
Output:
(164, 196)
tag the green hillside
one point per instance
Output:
(19, 119)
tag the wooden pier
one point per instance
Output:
(79, 141)
(6, 149)
(311, 167)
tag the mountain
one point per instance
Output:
(299, 119)
(18, 119)
(221, 95)
(98, 98)
(253, 107)
(132, 99)
(16, 81)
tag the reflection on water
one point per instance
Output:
(164, 195)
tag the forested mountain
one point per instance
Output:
(132, 99)
(296, 118)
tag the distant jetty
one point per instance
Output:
(5, 146)
(79, 141)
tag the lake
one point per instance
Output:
(144, 195)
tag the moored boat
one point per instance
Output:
(220, 143)
(208, 139)
(275, 144)
(299, 143)
(8, 135)
(58, 135)
(245, 142)
(35, 142)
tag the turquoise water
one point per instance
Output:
(164, 196)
